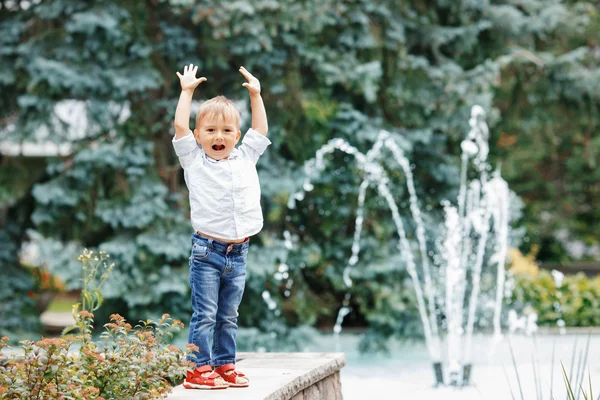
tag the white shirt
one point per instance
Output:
(224, 194)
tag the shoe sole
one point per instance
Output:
(189, 385)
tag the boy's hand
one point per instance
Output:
(188, 80)
(259, 115)
(253, 85)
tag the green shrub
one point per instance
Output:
(17, 305)
(126, 363)
(129, 363)
(576, 300)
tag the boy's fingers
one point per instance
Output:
(195, 70)
(246, 74)
(178, 74)
(200, 80)
(245, 84)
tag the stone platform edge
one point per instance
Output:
(302, 382)
(281, 376)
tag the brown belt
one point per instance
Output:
(223, 240)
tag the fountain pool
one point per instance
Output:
(405, 371)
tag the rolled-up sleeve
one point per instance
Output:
(186, 149)
(253, 145)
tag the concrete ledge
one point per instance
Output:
(281, 376)
(570, 330)
(55, 322)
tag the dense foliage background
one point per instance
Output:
(328, 69)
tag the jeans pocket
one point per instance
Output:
(200, 252)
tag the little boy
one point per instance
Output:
(225, 212)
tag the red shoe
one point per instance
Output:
(195, 380)
(229, 374)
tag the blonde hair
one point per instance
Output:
(218, 107)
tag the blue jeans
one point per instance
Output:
(217, 279)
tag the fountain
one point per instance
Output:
(481, 210)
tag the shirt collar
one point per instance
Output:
(213, 161)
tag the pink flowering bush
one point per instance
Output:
(125, 363)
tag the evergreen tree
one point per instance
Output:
(328, 69)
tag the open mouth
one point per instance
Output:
(218, 147)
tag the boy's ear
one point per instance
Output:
(237, 137)
(197, 134)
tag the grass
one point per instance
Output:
(574, 383)
(60, 304)
(570, 394)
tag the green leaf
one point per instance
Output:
(68, 329)
(570, 393)
(98, 299)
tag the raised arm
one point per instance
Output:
(259, 115)
(188, 83)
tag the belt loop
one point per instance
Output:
(210, 243)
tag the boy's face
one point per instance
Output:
(217, 136)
